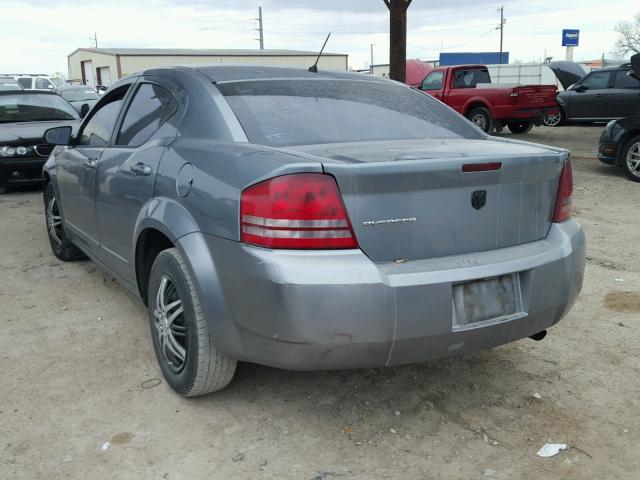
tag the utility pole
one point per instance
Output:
(501, 27)
(397, 38)
(260, 29)
(371, 63)
(94, 39)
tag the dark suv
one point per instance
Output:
(602, 95)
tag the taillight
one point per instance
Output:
(301, 210)
(562, 209)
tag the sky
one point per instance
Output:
(37, 35)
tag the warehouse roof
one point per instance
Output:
(194, 52)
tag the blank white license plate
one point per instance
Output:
(486, 301)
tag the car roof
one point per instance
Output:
(236, 73)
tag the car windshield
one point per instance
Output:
(307, 112)
(77, 95)
(34, 107)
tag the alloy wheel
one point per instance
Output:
(552, 120)
(633, 159)
(171, 329)
(54, 221)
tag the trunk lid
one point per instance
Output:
(412, 200)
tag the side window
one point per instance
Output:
(470, 78)
(97, 131)
(43, 83)
(433, 81)
(623, 80)
(151, 106)
(25, 82)
(597, 80)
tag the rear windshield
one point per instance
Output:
(307, 112)
(33, 107)
(79, 95)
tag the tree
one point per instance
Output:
(628, 37)
(397, 38)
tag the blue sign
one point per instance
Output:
(570, 38)
(473, 58)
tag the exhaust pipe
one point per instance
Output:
(538, 336)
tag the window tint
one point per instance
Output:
(306, 112)
(597, 80)
(97, 131)
(623, 80)
(43, 83)
(151, 106)
(470, 78)
(25, 82)
(433, 81)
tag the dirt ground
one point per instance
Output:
(78, 370)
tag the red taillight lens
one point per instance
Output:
(562, 210)
(302, 211)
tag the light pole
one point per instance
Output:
(371, 63)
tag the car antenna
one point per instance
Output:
(314, 68)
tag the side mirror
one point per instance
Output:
(579, 88)
(84, 109)
(635, 66)
(58, 136)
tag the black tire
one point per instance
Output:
(183, 344)
(520, 127)
(554, 120)
(481, 117)
(3, 190)
(60, 243)
(630, 158)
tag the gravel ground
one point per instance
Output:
(78, 371)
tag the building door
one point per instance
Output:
(104, 76)
(87, 73)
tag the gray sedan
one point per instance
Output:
(311, 220)
(79, 95)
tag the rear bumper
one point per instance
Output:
(530, 113)
(324, 310)
(17, 172)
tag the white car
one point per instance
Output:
(38, 82)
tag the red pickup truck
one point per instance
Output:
(467, 89)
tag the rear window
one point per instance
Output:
(624, 80)
(307, 112)
(79, 95)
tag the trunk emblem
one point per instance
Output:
(478, 199)
(389, 221)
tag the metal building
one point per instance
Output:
(103, 66)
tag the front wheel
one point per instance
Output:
(61, 245)
(520, 127)
(481, 118)
(553, 119)
(190, 363)
(631, 158)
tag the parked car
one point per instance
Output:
(9, 84)
(467, 89)
(34, 81)
(620, 140)
(311, 220)
(602, 95)
(24, 117)
(79, 95)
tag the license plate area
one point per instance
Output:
(487, 301)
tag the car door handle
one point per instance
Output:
(140, 169)
(90, 163)
(600, 95)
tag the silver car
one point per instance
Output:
(311, 220)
